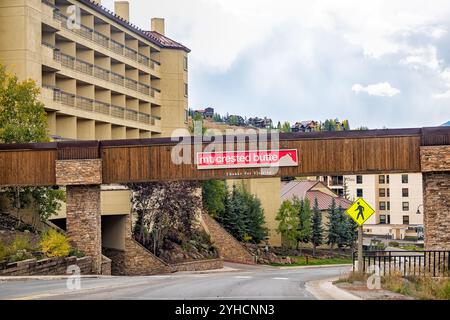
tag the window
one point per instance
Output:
(186, 115)
(389, 219)
(387, 179)
(405, 192)
(382, 205)
(405, 206)
(185, 63)
(388, 192)
(359, 193)
(382, 219)
(359, 179)
(405, 219)
(185, 89)
(382, 179)
(404, 178)
(388, 205)
(382, 192)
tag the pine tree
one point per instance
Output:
(333, 225)
(255, 230)
(230, 219)
(342, 238)
(352, 233)
(304, 230)
(317, 228)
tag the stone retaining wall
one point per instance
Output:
(229, 248)
(52, 266)
(200, 265)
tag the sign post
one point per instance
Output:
(360, 212)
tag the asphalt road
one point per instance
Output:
(234, 282)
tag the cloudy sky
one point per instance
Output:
(379, 63)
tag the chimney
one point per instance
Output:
(122, 9)
(158, 25)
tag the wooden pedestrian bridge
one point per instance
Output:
(83, 166)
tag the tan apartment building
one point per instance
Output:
(101, 76)
(396, 198)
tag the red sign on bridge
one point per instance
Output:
(247, 159)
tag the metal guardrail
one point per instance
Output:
(434, 263)
(99, 72)
(104, 41)
(92, 105)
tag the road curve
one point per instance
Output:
(234, 282)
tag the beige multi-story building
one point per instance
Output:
(101, 76)
(396, 198)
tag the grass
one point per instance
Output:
(423, 288)
(411, 248)
(303, 261)
(353, 277)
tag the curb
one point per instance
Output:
(48, 278)
(326, 290)
(316, 266)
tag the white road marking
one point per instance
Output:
(243, 277)
(280, 278)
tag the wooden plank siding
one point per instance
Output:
(28, 168)
(317, 157)
(140, 160)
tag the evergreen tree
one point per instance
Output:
(230, 219)
(304, 230)
(333, 225)
(287, 218)
(214, 193)
(352, 233)
(342, 227)
(317, 228)
(286, 127)
(253, 217)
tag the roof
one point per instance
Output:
(152, 36)
(304, 189)
(166, 42)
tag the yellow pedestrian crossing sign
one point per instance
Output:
(360, 211)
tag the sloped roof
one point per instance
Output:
(303, 189)
(152, 36)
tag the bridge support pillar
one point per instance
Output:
(84, 221)
(82, 179)
(435, 163)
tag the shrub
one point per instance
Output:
(20, 255)
(20, 243)
(394, 244)
(3, 251)
(76, 253)
(55, 244)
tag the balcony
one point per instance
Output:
(90, 69)
(155, 93)
(47, 9)
(91, 105)
(104, 41)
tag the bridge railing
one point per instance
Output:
(434, 263)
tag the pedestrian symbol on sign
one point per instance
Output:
(360, 211)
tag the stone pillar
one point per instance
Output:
(82, 179)
(83, 221)
(435, 163)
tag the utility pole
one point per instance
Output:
(360, 249)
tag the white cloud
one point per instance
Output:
(382, 89)
(443, 95)
(423, 57)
